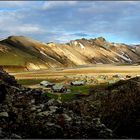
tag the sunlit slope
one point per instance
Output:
(21, 51)
(32, 54)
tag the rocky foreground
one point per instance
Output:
(113, 112)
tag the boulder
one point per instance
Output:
(4, 114)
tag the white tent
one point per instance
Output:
(46, 83)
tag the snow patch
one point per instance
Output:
(111, 60)
(44, 43)
(123, 57)
(133, 50)
(82, 46)
(102, 49)
(116, 59)
(47, 55)
(43, 53)
(75, 43)
(51, 58)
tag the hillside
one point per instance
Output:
(30, 114)
(25, 53)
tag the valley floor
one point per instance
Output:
(95, 70)
(96, 75)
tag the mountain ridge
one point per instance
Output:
(29, 53)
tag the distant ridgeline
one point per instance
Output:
(19, 52)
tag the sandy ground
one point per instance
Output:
(85, 71)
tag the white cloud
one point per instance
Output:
(59, 20)
(28, 28)
(13, 4)
(13, 23)
(54, 4)
(130, 2)
(23, 29)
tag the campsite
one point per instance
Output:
(70, 82)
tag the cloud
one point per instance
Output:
(27, 28)
(66, 20)
(54, 4)
(13, 4)
(80, 34)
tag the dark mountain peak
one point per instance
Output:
(15, 37)
(101, 38)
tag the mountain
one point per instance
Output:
(25, 53)
(137, 50)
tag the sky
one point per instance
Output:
(61, 21)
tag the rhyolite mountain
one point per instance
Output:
(25, 53)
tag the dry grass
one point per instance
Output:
(89, 71)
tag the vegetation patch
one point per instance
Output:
(29, 81)
(81, 89)
(67, 97)
(50, 95)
